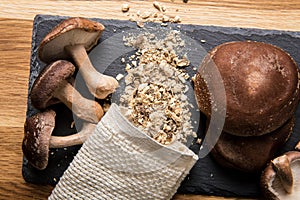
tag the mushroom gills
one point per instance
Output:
(278, 189)
(55, 52)
(283, 169)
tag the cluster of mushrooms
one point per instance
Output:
(262, 93)
(65, 44)
(261, 83)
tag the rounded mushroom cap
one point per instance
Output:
(250, 154)
(271, 185)
(51, 78)
(72, 31)
(37, 132)
(261, 82)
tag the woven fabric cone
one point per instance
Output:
(120, 162)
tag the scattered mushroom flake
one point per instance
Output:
(157, 13)
(156, 87)
(125, 7)
(159, 6)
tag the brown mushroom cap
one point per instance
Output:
(38, 139)
(37, 132)
(250, 154)
(71, 31)
(271, 185)
(48, 81)
(261, 83)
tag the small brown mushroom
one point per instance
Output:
(52, 85)
(37, 138)
(73, 37)
(280, 179)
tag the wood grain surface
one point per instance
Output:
(16, 19)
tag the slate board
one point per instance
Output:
(206, 177)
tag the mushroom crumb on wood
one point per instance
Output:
(125, 7)
(157, 13)
(160, 7)
(156, 87)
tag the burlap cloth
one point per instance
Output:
(120, 162)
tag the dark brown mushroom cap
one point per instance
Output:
(261, 83)
(250, 154)
(270, 182)
(48, 81)
(72, 31)
(37, 132)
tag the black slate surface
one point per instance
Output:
(206, 177)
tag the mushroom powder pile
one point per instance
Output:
(156, 87)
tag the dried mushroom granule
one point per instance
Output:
(156, 87)
(154, 108)
(156, 14)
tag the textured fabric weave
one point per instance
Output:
(120, 162)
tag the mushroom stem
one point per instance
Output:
(282, 166)
(71, 140)
(83, 108)
(298, 146)
(99, 85)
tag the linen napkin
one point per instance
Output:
(118, 161)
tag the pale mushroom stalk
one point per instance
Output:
(99, 85)
(298, 146)
(283, 169)
(83, 108)
(71, 140)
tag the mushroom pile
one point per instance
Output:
(65, 44)
(261, 84)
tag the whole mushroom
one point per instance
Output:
(261, 83)
(281, 178)
(37, 138)
(73, 37)
(52, 86)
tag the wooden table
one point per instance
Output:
(16, 19)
